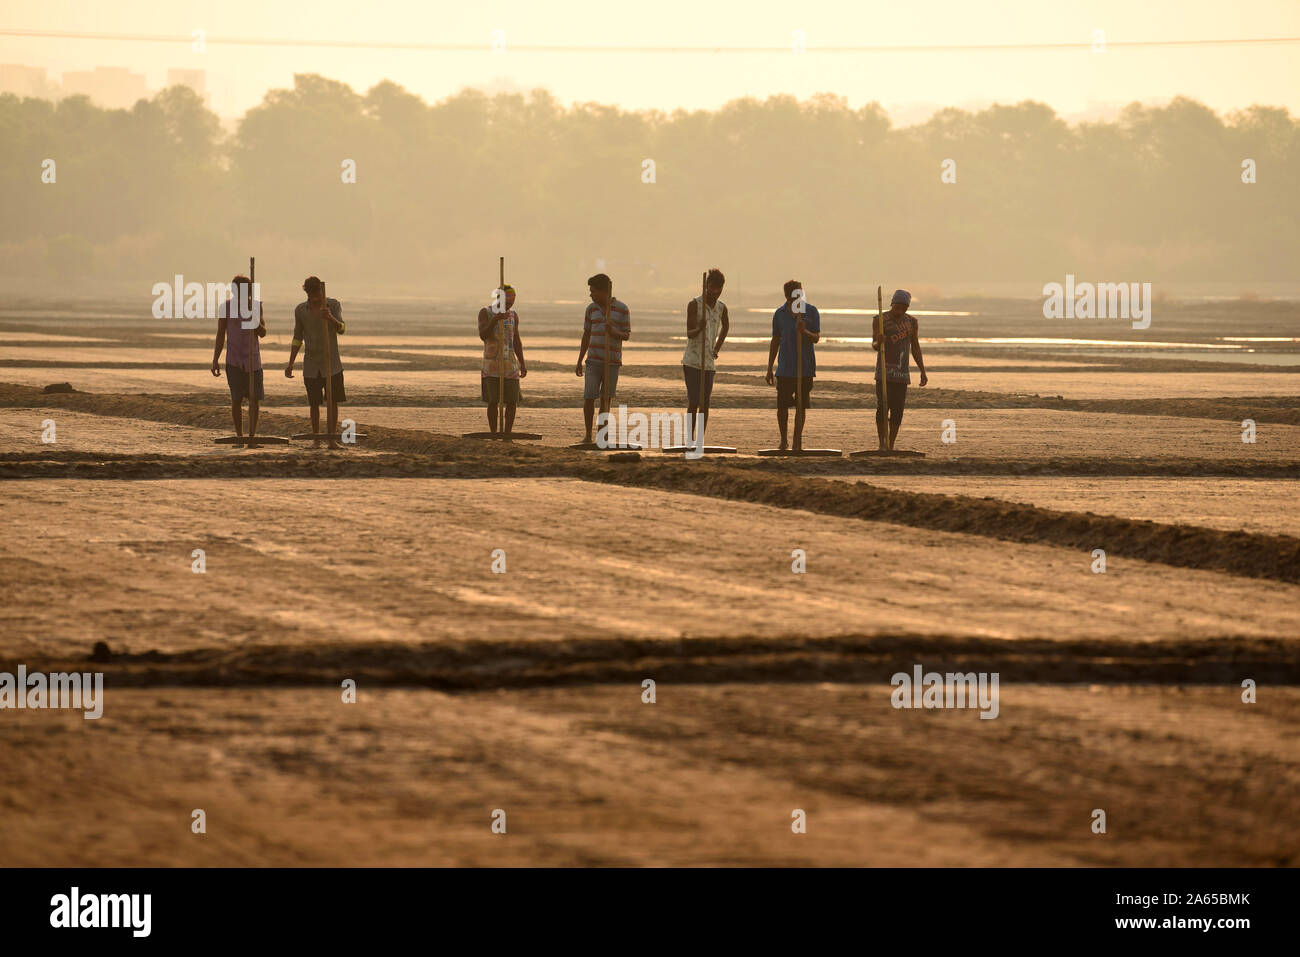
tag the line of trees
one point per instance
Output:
(762, 188)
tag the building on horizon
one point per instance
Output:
(23, 80)
(114, 87)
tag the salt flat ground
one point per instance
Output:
(1263, 506)
(709, 775)
(522, 691)
(321, 562)
(589, 774)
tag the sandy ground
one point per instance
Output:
(1263, 506)
(998, 441)
(708, 775)
(9, 339)
(1078, 383)
(589, 775)
(360, 375)
(113, 354)
(746, 360)
(984, 433)
(1108, 385)
(21, 430)
(648, 367)
(522, 691)
(369, 375)
(402, 560)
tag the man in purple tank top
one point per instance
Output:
(242, 347)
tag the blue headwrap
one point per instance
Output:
(903, 296)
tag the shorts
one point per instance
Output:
(785, 385)
(492, 386)
(897, 400)
(316, 389)
(237, 379)
(693, 386)
(592, 375)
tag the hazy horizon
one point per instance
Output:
(356, 144)
(692, 57)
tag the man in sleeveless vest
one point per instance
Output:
(714, 326)
(490, 331)
(900, 332)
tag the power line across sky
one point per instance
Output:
(499, 44)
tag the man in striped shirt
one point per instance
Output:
(597, 334)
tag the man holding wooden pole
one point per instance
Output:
(501, 367)
(503, 360)
(317, 324)
(893, 336)
(606, 325)
(243, 351)
(707, 323)
(796, 327)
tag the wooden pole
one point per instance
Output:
(329, 360)
(798, 371)
(604, 379)
(699, 408)
(250, 333)
(501, 364)
(883, 398)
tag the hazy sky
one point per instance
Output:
(1072, 81)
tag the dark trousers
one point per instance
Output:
(897, 400)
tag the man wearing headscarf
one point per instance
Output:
(899, 336)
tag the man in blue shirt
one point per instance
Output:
(787, 327)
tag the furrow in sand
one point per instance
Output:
(854, 659)
(430, 454)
